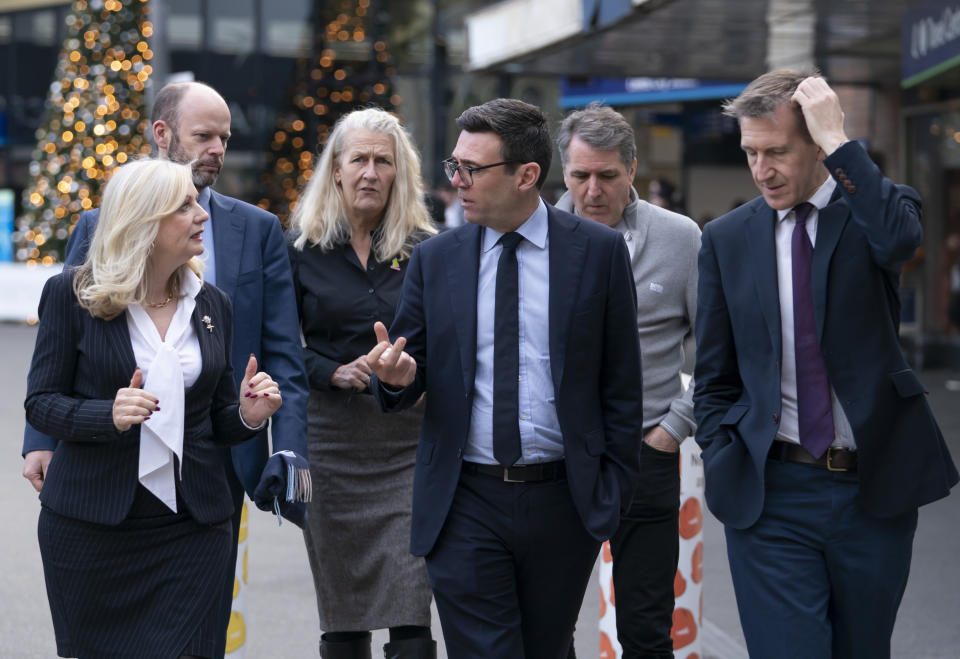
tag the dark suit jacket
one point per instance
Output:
(253, 269)
(594, 359)
(864, 236)
(78, 365)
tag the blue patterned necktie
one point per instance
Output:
(506, 354)
(814, 407)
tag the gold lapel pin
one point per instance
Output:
(208, 322)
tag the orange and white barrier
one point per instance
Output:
(609, 645)
(688, 582)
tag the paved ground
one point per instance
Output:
(282, 614)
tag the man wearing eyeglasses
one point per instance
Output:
(520, 326)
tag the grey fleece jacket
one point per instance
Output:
(663, 254)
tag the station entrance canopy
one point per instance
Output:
(852, 42)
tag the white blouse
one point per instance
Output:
(170, 365)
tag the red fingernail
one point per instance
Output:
(247, 395)
(156, 409)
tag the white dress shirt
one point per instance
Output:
(540, 436)
(789, 430)
(170, 365)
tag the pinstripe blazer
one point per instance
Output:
(79, 363)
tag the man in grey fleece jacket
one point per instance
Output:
(599, 157)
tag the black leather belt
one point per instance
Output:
(835, 459)
(543, 471)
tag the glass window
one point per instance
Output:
(286, 28)
(6, 29)
(233, 26)
(184, 25)
(37, 27)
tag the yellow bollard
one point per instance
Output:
(237, 630)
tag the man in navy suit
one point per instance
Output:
(520, 328)
(818, 443)
(249, 263)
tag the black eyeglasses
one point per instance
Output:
(451, 167)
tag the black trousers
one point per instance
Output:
(509, 569)
(645, 550)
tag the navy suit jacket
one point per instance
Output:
(78, 365)
(594, 360)
(254, 271)
(864, 236)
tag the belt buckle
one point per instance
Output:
(506, 476)
(830, 453)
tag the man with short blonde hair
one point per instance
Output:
(818, 442)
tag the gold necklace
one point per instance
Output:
(160, 305)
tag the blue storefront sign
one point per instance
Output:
(931, 41)
(577, 92)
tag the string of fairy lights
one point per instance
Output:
(96, 120)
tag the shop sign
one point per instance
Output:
(931, 40)
(577, 92)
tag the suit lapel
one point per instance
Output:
(463, 267)
(830, 222)
(762, 250)
(117, 333)
(568, 248)
(200, 310)
(228, 233)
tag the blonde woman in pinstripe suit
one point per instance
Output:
(135, 526)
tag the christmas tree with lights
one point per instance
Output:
(96, 120)
(348, 68)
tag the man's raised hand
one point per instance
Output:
(389, 362)
(822, 112)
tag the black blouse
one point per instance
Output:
(338, 302)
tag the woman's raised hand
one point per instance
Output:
(133, 405)
(259, 395)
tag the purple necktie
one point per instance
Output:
(814, 407)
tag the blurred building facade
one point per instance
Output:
(666, 64)
(253, 52)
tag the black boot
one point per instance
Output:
(411, 648)
(355, 648)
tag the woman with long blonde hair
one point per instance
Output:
(355, 226)
(131, 374)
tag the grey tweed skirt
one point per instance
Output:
(358, 528)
